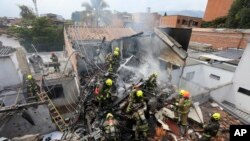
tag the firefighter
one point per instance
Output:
(150, 83)
(110, 127)
(32, 86)
(54, 59)
(103, 94)
(115, 61)
(135, 101)
(176, 103)
(141, 128)
(117, 49)
(211, 129)
(184, 107)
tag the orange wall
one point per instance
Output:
(216, 9)
(220, 39)
(169, 21)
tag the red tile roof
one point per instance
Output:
(97, 33)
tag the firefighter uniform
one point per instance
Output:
(141, 124)
(110, 127)
(135, 101)
(177, 99)
(150, 83)
(184, 108)
(211, 129)
(103, 93)
(54, 59)
(32, 86)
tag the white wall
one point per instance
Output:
(242, 79)
(202, 75)
(8, 73)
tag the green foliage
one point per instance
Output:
(217, 23)
(26, 12)
(95, 13)
(42, 33)
(239, 14)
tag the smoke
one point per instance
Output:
(147, 57)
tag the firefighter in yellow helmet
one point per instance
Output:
(110, 127)
(185, 104)
(117, 49)
(135, 101)
(136, 107)
(150, 83)
(32, 88)
(104, 95)
(211, 129)
(177, 99)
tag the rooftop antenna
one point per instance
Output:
(35, 4)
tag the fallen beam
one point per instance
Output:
(19, 107)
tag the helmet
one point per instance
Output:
(186, 94)
(29, 77)
(52, 53)
(155, 74)
(109, 82)
(182, 92)
(109, 115)
(117, 49)
(216, 116)
(116, 53)
(139, 93)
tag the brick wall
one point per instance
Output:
(217, 8)
(218, 38)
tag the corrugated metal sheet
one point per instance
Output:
(170, 56)
(90, 33)
(5, 51)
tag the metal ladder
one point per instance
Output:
(56, 116)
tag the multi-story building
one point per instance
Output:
(216, 9)
(180, 21)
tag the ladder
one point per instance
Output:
(56, 116)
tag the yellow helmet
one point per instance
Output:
(182, 92)
(29, 77)
(216, 116)
(109, 82)
(139, 93)
(109, 115)
(116, 53)
(117, 49)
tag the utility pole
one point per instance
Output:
(35, 4)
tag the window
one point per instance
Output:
(183, 21)
(213, 76)
(244, 91)
(55, 91)
(195, 23)
(190, 75)
(178, 21)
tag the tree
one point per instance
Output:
(95, 11)
(238, 16)
(26, 12)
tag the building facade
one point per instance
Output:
(180, 21)
(221, 38)
(216, 9)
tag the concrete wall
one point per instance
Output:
(9, 74)
(69, 49)
(221, 38)
(70, 91)
(201, 75)
(17, 126)
(242, 80)
(216, 9)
